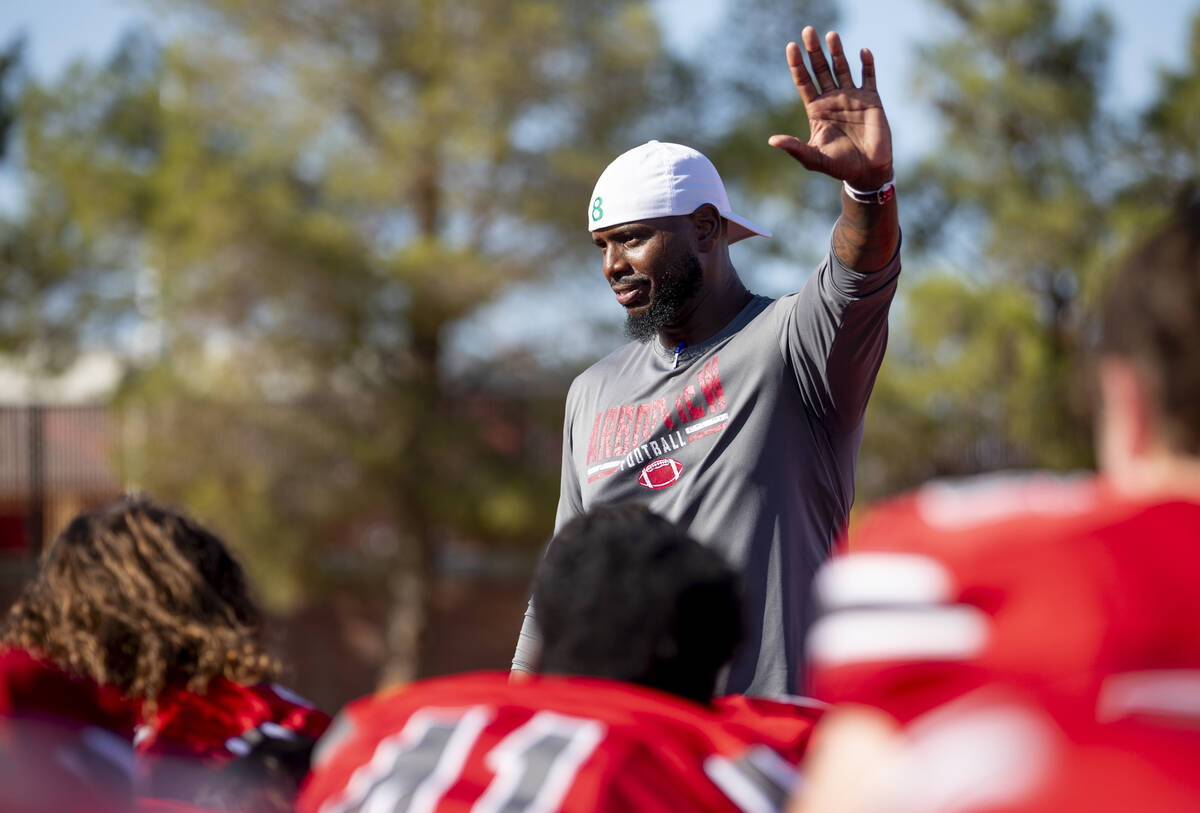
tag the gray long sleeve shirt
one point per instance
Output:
(751, 442)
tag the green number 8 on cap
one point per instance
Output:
(597, 210)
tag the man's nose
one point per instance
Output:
(615, 264)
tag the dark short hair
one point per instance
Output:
(625, 594)
(1151, 317)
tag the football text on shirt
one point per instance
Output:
(632, 434)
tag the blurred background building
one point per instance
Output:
(54, 462)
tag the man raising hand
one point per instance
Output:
(738, 415)
(850, 140)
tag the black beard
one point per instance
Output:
(679, 283)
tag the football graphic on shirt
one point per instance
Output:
(661, 473)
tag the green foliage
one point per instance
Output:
(10, 68)
(1174, 119)
(1167, 144)
(277, 218)
(1033, 193)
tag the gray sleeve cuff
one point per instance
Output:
(858, 285)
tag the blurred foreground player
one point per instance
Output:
(64, 741)
(1005, 749)
(141, 598)
(629, 599)
(1080, 592)
(1057, 582)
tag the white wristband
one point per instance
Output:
(877, 196)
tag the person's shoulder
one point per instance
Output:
(612, 366)
(780, 707)
(209, 722)
(618, 358)
(625, 738)
(624, 712)
(973, 513)
(760, 304)
(33, 686)
(926, 546)
(763, 310)
(1007, 515)
(467, 687)
(588, 696)
(785, 723)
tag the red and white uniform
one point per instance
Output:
(191, 735)
(212, 725)
(554, 744)
(1003, 750)
(1051, 583)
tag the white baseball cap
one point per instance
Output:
(659, 179)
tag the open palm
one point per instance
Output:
(849, 134)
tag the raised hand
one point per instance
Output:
(849, 134)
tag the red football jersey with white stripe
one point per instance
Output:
(1055, 583)
(554, 744)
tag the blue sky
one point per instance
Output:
(1151, 34)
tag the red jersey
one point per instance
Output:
(1000, 750)
(206, 748)
(35, 688)
(214, 725)
(554, 744)
(785, 724)
(64, 741)
(1053, 583)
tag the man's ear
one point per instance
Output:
(709, 227)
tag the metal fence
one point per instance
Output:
(54, 461)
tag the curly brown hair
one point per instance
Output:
(140, 596)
